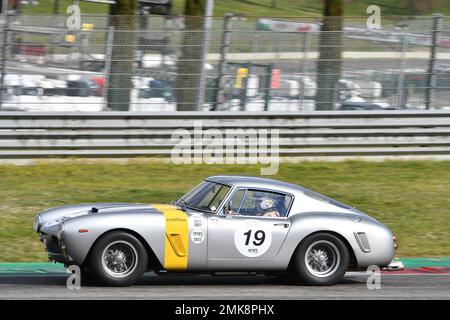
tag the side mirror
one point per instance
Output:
(226, 208)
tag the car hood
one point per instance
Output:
(50, 218)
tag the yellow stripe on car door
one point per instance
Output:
(177, 238)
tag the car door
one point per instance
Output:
(241, 237)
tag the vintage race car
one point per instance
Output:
(225, 224)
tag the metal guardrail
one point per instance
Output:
(125, 134)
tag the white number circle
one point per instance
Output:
(252, 238)
(197, 236)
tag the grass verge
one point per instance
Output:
(411, 197)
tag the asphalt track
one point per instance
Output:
(354, 286)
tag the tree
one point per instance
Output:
(122, 18)
(329, 64)
(418, 7)
(189, 64)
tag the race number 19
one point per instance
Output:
(252, 238)
(259, 237)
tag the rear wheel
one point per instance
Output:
(118, 259)
(321, 259)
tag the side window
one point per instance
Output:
(259, 203)
(234, 204)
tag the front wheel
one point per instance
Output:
(118, 259)
(321, 259)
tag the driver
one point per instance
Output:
(267, 207)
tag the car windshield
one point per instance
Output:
(207, 196)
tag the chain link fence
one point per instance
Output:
(168, 63)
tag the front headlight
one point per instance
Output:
(37, 223)
(60, 231)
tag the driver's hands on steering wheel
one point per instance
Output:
(271, 214)
(230, 212)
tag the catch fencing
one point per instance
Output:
(146, 63)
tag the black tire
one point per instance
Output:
(128, 245)
(87, 278)
(338, 260)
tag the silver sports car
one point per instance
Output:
(226, 223)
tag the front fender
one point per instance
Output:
(78, 244)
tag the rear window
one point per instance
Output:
(322, 198)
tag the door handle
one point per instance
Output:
(286, 225)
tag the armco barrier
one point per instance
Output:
(123, 134)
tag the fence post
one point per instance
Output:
(268, 91)
(84, 43)
(431, 76)
(4, 7)
(401, 76)
(302, 82)
(224, 46)
(3, 53)
(109, 47)
(243, 89)
(255, 41)
(209, 11)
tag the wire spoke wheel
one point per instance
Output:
(322, 258)
(119, 259)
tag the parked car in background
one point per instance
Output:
(154, 88)
(161, 89)
(81, 87)
(363, 105)
(100, 84)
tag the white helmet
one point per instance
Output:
(267, 203)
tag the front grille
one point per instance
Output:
(362, 240)
(51, 244)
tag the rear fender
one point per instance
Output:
(345, 226)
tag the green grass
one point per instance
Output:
(411, 197)
(257, 7)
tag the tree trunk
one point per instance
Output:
(122, 18)
(55, 9)
(329, 65)
(189, 64)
